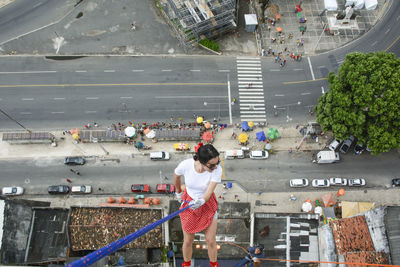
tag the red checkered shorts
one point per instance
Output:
(195, 221)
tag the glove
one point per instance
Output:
(179, 196)
(197, 203)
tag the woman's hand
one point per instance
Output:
(197, 203)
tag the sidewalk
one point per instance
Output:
(290, 138)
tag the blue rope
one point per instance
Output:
(93, 257)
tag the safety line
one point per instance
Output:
(95, 256)
(102, 84)
(306, 81)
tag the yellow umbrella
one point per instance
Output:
(243, 138)
(75, 136)
(199, 120)
(251, 124)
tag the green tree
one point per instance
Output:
(364, 101)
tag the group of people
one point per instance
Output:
(201, 175)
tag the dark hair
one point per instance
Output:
(260, 247)
(205, 153)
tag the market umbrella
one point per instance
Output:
(130, 131)
(207, 125)
(207, 136)
(340, 192)
(306, 207)
(251, 124)
(245, 126)
(243, 138)
(278, 29)
(139, 145)
(199, 120)
(151, 134)
(75, 136)
(261, 136)
(328, 200)
(146, 131)
(75, 131)
(272, 133)
(268, 146)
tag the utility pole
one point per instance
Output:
(14, 120)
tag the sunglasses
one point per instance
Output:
(212, 166)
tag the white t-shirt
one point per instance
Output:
(197, 183)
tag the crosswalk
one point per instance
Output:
(251, 92)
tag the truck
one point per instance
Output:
(327, 156)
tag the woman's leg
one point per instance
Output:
(210, 233)
(187, 245)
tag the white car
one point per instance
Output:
(338, 181)
(320, 183)
(299, 182)
(159, 155)
(357, 182)
(12, 191)
(81, 189)
(259, 154)
(334, 144)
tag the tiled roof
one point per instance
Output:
(367, 257)
(352, 235)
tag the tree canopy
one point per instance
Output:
(364, 101)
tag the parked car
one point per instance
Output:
(259, 154)
(356, 182)
(396, 182)
(58, 189)
(81, 189)
(321, 183)
(12, 191)
(159, 155)
(74, 161)
(334, 144)
(346, 145)
(298, 182)
(165, 188)
(358, 149)
(338, 181)
(143, 188)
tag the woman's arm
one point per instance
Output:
(177, 182)
(210, 191)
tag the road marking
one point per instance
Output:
(374, 43)
(307, 81)
(340, 61)
(254, 58)
(254, 119)
(253, 116)
(392, 44)
(250, 79)
(137, 70)
(251, 104)
(253, 112)
(81, 71)
(243, 101)
(90, 111)
(251, 97)
(247, 71)
(279, 95)
(247, 61)
(125, 97)
(247, 68)
(297, 69)
(108, 84)
(189, 96)
(27, 99)
(305, 94)
(387, 31)
(323, 90)
(274, 70)
(224, 71)
(249, 75)
(25, 113)
(92, 98)
(248, 65)
(312, 72)
(249, 93)
(57, 112)
(109, 70)
(166, 70)
(28, 72)
(59, 98)
(251, 90)
(195, 70)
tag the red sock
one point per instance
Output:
(214, 264)
(186, 263)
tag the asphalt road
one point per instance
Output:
(271, 175)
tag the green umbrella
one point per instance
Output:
(272, 133)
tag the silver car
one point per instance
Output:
(320, 183)
(357, 182)
(338, 181)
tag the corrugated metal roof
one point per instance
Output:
(27, 136)
(392, 221)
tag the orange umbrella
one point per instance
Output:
(75, 131)
(340, 192)
(121, 200)
(329, 200)
(131, 200)
(146, 131)
(207, 136)
(207, 125)
(278, 29)
(110, 200)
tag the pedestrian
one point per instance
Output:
(71, 170)
(284, 62)
(63, 132)
(276, 59)
(86, 126)
(297, 57)
(69, 181)
(262, 52)
(255, 254)
(269, 28)
(291, 55)
(202, 174)
(78, 173)
(95, 124)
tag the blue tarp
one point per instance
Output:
(261, 136)
(245, 126)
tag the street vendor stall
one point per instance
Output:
(181, 146)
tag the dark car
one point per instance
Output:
(396, 182)
(144, 188)
(359, 149)
(74, 161)
(58, 189)
(165, 188)
(346, 145)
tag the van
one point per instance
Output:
(233, 154)
(159, 156)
